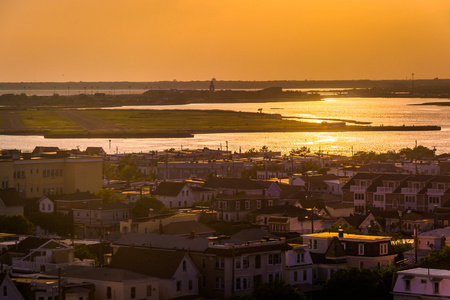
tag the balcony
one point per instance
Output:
(435, 192)
(357, 188)
(385, 190)
(410, 191)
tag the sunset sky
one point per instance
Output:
(152, 40)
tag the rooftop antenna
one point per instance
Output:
(412, 82)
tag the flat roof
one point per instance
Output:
(347, 236)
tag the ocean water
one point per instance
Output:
(377, 111)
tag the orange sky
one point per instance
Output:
(149, 40)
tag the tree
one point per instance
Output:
(300, 151)
(16, 224)
(54, 223)
(109, 196)
(359, 283)
(143, 205)
(277, 290)
(438, 260)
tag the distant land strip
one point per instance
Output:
(98, 123)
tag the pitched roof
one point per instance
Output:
(163, 241)
(103, 274)
(335, 250)
(232, 183)
(155, 263)
(185, 228)
(169, 188)
(29, 243)
(288, 190)
(11, 197)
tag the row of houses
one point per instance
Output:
(162, 266)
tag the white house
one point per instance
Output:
(174, 194)
(46, 205)
(299, 266)
(7, 288)
(113, 283)
(178, 276)
(421, 283)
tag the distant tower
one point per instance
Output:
(212, 88)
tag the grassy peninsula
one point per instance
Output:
(160, 123)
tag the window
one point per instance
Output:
(310, 244)
(410, 199)
(178, 286)
(274, 258)
(300, 257)
(203, 262)
(238, 205)
(133, 292)
(436, 287)
(359, 196)
(305, 275)
(108, 292)
(434, 199)
(149, 290)
(272, 276)
(5, 290)
(190, 285)
(257, 261)
(269, 202)
(184, 265)
(219, 283)
(220, 264)
(315, 244)
(295, 276)
(247, 205)
(407, 285)
(360, 249)
(383, 248)
(258, 204)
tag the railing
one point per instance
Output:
(410, 191)
(384, 189)
(435, 192)
(35, 266)
(357, 188)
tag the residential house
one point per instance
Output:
(299, 266)
(8, 289)
(174, 194)
(339, 209)
(66, 203)
(238, 268)
(429, 241)
(178, 276)
(355, 250)
(46, 205)
(236, 208)
(39, 255)
(421, 283)
(409, 221)
(288, 218)
(152, 223)
(202, 194)
(367, 224)
(11, 203)
(93, 221)
(113, 283)
(48, 288)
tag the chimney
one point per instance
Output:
(341, 233)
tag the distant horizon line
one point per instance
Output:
(223, 80)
